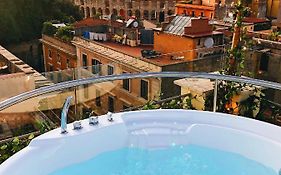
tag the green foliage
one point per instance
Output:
(22, 20)
(97, 15)
(65, 33)
(274, 36)
(10, 148)
(235, 66)
(179, 103)
(48, 29)
(43, 126)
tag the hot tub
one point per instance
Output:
(155, 133)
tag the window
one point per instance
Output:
(199, 42)
(202, 13)
(110, 70)
(84, 59)
(110, 104)
(58, 58)
(98, 98)
(59, 76)
(96, 65)
(193, 14)
(126, 84)
(264, 62)
(50, 53)
(144, 89)
(67, 63)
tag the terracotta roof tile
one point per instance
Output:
(90, 22)
(254, 20)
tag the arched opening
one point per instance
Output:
(114, 12)
(87, 12)
(145, 14)
(94, 12)
(100, 11)
(153, 15)
(83, 11)
(107, 11)
(170, 12)
(161, 16)
(138, 14)
(129, 13)
(122, 13)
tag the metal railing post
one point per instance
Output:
(215, 96)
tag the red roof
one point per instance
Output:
(90, 22)
(254, 20)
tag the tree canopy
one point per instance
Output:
(22, 20)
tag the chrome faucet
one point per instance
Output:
(64, 113)
(93, 120)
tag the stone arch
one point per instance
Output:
(122, 13)
(100, 11)
(87, 12)
(145, 14)
(153, 15)
(82, 9)
(170, 12)
(114, 12)
(138, 13)
(94, 11)
(129, 13)
(107, 11)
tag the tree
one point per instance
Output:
(65, 33)
(22, 20)
(48, 29)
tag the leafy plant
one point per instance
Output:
(65, 33)
(48, 29)
(10, 148)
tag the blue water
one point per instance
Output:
(175, 160)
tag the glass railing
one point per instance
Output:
(96, 92)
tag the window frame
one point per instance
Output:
(141, 94)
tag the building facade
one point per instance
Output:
(109, 56)
(155, 10)
(197, 8)
(188, 38)
(58, 55)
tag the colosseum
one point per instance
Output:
(155, 10)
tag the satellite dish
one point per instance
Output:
(135, 24)
(209, 42)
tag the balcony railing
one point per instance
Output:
(92, 93)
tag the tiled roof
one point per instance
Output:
(254, 20)
(178, 24)
(90, 22)
(193, 6)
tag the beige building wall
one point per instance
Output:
(14, 84)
